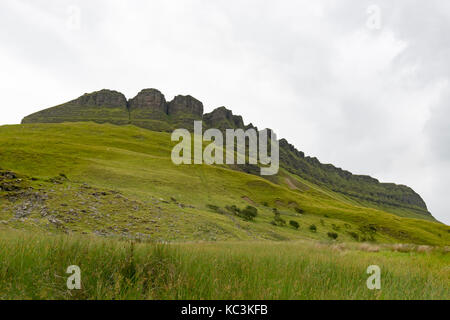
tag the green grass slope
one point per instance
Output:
(150, 110)
(119, 181)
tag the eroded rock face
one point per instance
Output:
(151, 100)
(150, 110)
(182, 105)
(222, 118)
(104, 106)
(102, 98)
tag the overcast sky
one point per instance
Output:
(364, 85)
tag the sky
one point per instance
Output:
(364, 85)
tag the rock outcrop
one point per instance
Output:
(102, 98)
(104, 106)
(148, 102)
(182, 106)
(150, 110)
(222, 119)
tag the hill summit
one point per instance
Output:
(150, 110)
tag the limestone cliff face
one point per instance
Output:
(148, 102)
(150, 110)
(222, 119)
(100, 106)
(102, 98)
(185, 105)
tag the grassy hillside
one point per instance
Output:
(150, 110)
(119, 181)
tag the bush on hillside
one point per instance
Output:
(332, 235)
(249, 213)
(294, 224)
(278, 221)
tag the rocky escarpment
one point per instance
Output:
(149, 103)
(150, 110)
(360, 187)
(103, 98)
(185, 106)
(103, 106)
(222, 119)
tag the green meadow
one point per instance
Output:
(109, 199)
(34, 267)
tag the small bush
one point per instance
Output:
(265, 204)
(332, 235)
(249, 213)
(298, 210)
(313, 228)
(278, 221)
(294, 224)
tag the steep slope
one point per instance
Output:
(150, 110)
(120, 181)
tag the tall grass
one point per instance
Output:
(33, 267)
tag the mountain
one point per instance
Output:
(150, 110)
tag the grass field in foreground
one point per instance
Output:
(34, 266)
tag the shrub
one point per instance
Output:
(265, 204)
(278, 221)
(249, 213)
(313, 228)
(332, 235)
(298, 210)
(294, 224)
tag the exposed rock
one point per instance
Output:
(182, 105)
(148, 102)
(150, 110)
(104, 106)
(222, 118)
(102, 98)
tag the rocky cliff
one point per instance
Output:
(150, 110)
